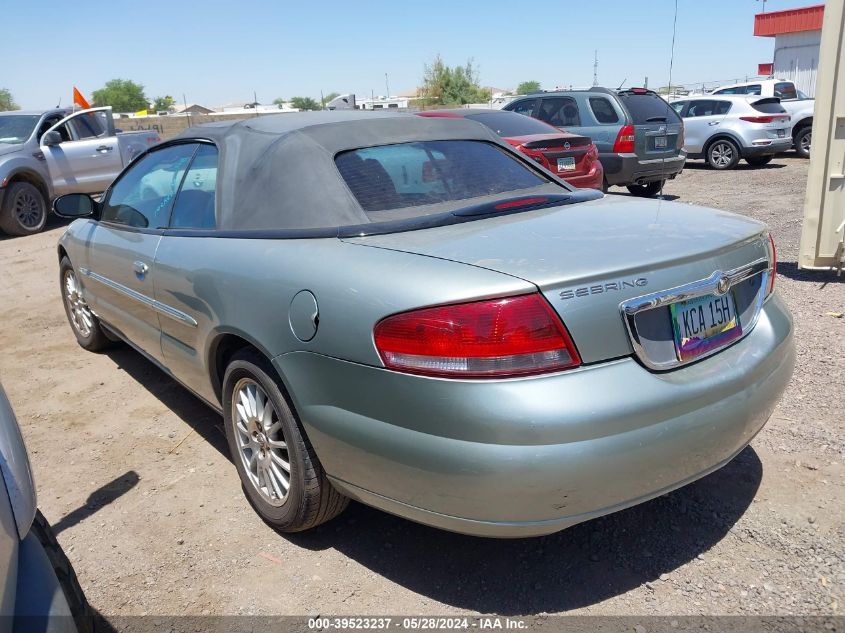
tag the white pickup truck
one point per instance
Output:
(799, 106)
(44, 154)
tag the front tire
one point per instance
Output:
(86, 327)
(24, 210)
(802, 140)
(722, 154)
(648, 190)
(280, 473)
(759, 161)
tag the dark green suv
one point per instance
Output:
(639, 137)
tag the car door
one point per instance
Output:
(701, 121)
(189, 299)
(522, 106)
(121, 277)
(561, 112)
(88, 158)
(602, 122)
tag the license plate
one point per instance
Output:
(566, 164)
(659, 142)
(703, 324)
(781, 133)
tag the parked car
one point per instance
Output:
(724, 129)
(48, 153)
(639, 138)
(799, 106)
(39, 590)
(409, 312)
(571, 156)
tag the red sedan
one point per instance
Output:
(571, 156)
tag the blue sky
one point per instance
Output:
(215, 52)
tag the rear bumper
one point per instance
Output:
(525, 457)
(591, 180)
(629, 169)
(774, 147)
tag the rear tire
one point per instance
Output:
(802, 139)
(86, 327)
(759, 161)
(722, 154)
(24, 210)
(648, 190)
(76, 600)
(271, 451)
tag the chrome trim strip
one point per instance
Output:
(717, 283)
(158, 306)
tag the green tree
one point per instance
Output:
(305, 103)
(163, 103)
(329, 97)
(279, 101)
(6, 101)
(123, 95)
(443, 85)
(527, 87)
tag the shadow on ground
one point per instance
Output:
(581, 566)
(740, 166)
(818, 277)
(207, 423)
(53, 221)
(102, 496)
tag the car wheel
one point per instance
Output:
(279, 470)
(604, 185)
(76, 600)
(86, 327)
(24, 210)
(722, 154)
(759, 161)
(648, 190)
(802, 140)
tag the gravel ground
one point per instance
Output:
(132, 470)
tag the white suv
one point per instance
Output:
(723, 129)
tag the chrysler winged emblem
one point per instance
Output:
(722, 285)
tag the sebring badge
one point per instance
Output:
(610, 286)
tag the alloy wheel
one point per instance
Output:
(722, 154)
(804, 142)
(28, 209)
(261, 442)
(80, 314)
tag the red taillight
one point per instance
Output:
(625, 140)
(762, 119)
(592, 154)
(773, 264)
(514, 336)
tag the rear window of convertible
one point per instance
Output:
(431, 172)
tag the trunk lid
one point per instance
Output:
(563, 154)
(657, 127)
(587, 258)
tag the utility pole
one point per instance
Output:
(596, 68)
(764, 5)
(387, 86)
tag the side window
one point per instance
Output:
(603, 110)
(722, 107)
(559, 111)
(735, 90)
(143, 195)
(49, 122)
(753, 89)
(678, 106)
(701, 108)
(194, 206)
(90, 125)
(525, 106)
(786, 90)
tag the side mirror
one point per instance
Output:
(51, 138)
(75, 205)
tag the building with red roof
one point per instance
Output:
(797, 34)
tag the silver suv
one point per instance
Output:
(722, 129)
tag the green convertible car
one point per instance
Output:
(408, 312)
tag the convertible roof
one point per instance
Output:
(278, 171)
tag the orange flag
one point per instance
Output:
(79, 100)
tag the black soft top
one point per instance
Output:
(278, 171)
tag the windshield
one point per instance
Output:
(648, 108)
(16, 128)
(391, 177)
(509, 124)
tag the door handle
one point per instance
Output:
(140, 269)
(713, 123)
(104, 148)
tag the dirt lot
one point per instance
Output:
(133, 472)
